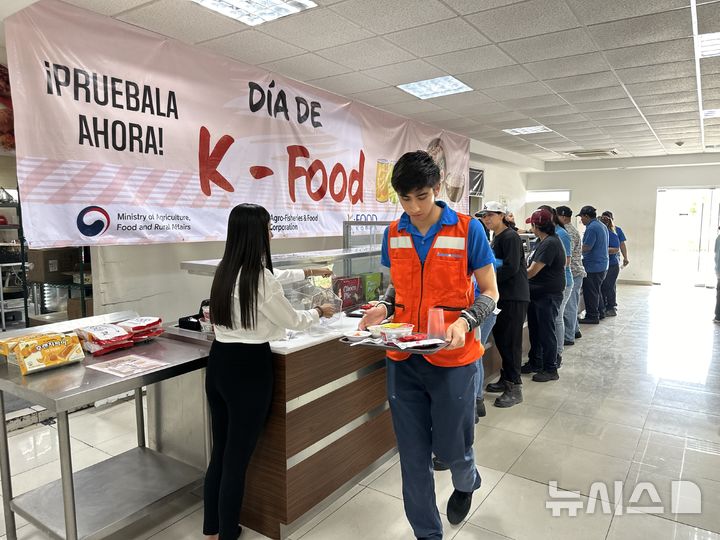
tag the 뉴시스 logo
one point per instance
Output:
(93, 221)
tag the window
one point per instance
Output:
(560, 195)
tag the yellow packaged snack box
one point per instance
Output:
(7, 346)
(45, 351)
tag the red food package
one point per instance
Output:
(366, 306)
(141, 324)
(98, 350)
(104, 334)
(349, 289)
(413, 337)
(147, 335)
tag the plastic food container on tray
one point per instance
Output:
(392, 331)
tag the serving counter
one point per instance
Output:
(106, 497)
(329, 421)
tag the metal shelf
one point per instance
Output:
(111, 494)
(9, 205)
(9, 226)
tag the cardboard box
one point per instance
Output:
(349, 289)
(47, 318)
(49, 265)
(74, 308)
(372, 285)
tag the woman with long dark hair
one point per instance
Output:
(248, 310)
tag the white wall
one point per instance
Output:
(631, 195)
(504, 184)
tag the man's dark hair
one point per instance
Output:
(550, 209)
(413, 171)
(548, 228)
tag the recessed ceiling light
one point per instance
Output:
(254, 12)
(709, 45)
(711, 113)
(431, 88)
(527, 130)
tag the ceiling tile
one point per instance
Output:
(709, 65)
(623, 122)
(471, 6)
(559, 44)
(492, 78)
(434, 116)
(560, 119)
(187, 21)
(595, 94)
(536, 102)
(670, 117)
(459, 123)
(616, 113)
(583, 82)
(109, 8)
(509, 117)
(414, 70)
(305, 67)
(503, 93)
(708, 18)
(411, 107)
(252, 47)
(347, 83)
(493, 108)
(476, 59)
(565, 67)
(711, 94)
(606, 105)
(652, 53)
(577, 134)
(382, 17)
(710, 81)
(593, 12)
(438, 38)
(665, 99)
(659, 123)
(366, 54)
(530, 18)
(302, 29)
(461, 101)
(382, 96)
(686, 84)
(658, 72)
(648, 29)
(554, 111)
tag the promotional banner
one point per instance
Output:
(127, 137)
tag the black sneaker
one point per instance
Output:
(528, 368)
(567, 343)
(578, 334)
(611, 313)
(458, 506)
(558, 361)
(589, 321)
(545, 376)
(479, 409)
(495, 387)
(439, 465)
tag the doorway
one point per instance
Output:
(686, 225)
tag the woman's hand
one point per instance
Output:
(326, 310)
(455, 334)
(374, 315)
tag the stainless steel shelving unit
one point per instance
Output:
(106, 497)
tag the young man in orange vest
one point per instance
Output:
(432, 253)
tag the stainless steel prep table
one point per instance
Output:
(105, 497)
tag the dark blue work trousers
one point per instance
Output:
(433, 412)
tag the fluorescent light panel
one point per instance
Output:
(711, 113)
(709, 45)
(527, 130)
(254, 12)
(431, 88)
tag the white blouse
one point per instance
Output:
(274, 315)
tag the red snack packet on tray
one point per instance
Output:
(147, 335)
(104, 338)
(141, 324)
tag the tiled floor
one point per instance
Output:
(638, 400)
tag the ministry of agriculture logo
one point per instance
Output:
(93, 221)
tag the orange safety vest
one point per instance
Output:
(443, 281)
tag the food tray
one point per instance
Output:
(391, 347)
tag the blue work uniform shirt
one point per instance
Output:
(478, 248)
(564, 237)
(597, 237)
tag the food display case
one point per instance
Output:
(329, 421)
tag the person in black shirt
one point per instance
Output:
(512, 283)
(546, 275)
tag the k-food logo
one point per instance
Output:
(93, 221)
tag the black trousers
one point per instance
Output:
(591, 294)
(238, 385)
(507, 333)
(608, 289)
(542, 312)
(717, 302)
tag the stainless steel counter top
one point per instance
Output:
(67, 387)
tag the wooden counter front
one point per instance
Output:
(286, 478)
